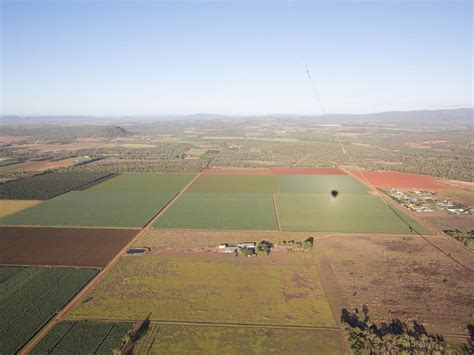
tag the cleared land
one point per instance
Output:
(46, 186)
(386, 179)
(345, 213)
(145, 183)
(404, 278)
(61, 246)
(278, 289)
(323, 184)
(29, 297)
(185, 339)
(165, 239)
(225, 211)
(278, 171)
(93, 209)
(12, 206)
(235, 183)
(83, 337)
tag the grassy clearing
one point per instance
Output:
(346, 213)
(235, 183)
(224, 211)
(185, 339)
(218, 288)
(8, 207)
(93, 209)
(145, 183)
(83, 337)
(320, 184)
(29, 297)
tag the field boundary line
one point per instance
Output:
(211, 324)
(74, 300)
(276, 212)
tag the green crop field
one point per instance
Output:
(46, 186)
(217, 288)
(30, 296)
(235, 183)
(93, 209)
(225, 211)
(145, 182)
(83, 337)
(345, 213)
(320, 184)
(192, 339)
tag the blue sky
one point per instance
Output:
(142, 57)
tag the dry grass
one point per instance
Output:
(8, 207)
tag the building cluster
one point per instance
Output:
(425, 201)
(236, 248)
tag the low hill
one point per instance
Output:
(113, 132)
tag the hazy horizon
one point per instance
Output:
(87, 58)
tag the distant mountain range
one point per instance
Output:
(461, 115)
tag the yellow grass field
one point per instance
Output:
(12, 206)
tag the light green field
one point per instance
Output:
(320, 184)
(235, 183)
(145, 183)
(93, 209)
(198, 339)
(216, 288)
(224, 211)
(345, 213)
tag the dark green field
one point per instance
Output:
(93, 209)
(320, 184)
(46, 186)
(235, 183)
(345, 213)
(224, 211)
(83, 337)
(30, 296)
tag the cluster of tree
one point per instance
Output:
(395, 337)
(305, 245)
(465, 237)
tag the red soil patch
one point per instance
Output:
(307, 171)
(386, 179)
(278, 171)
(88, 247)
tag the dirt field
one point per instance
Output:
(387, 179)
(12, 206)
(40, 165)
(170, 239)
(404, 278)
(61, 246)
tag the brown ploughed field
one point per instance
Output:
(400, 277)
(86, 247)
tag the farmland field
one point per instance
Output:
(12, 206)
(235, 183)
(29, 297)
(346, 213)
(91, 208)
(189, 339)
(46, 186)
(226, 211)
(145, 183)
(277, 289)
(320, 184)
(83, 337)
(405, 278)
(61, 246)
(386, 179)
